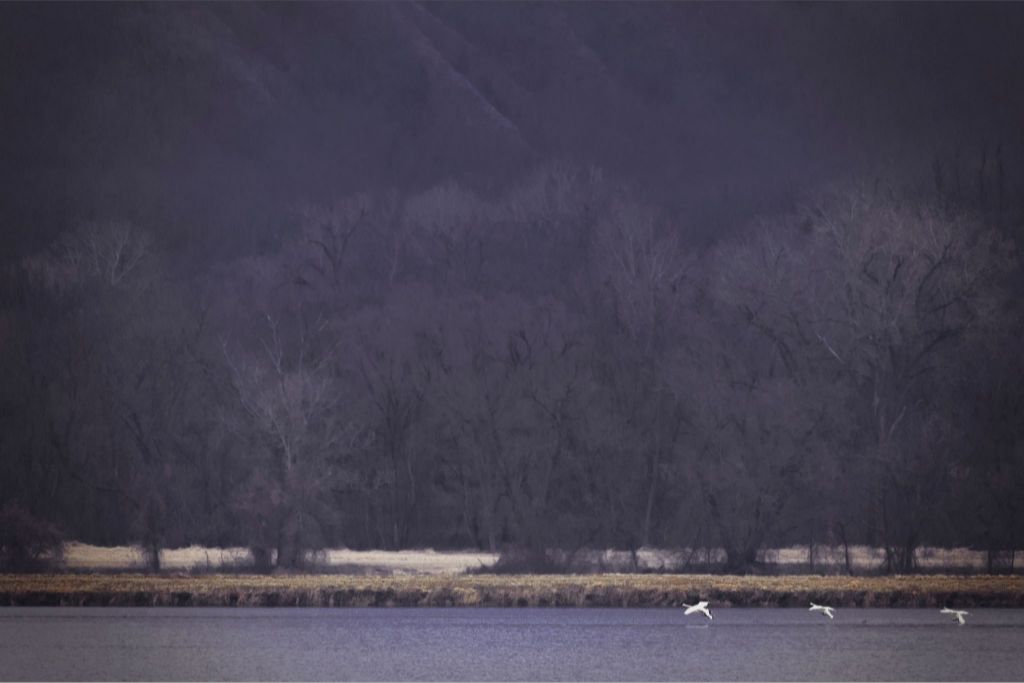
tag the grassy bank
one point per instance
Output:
(601, 590)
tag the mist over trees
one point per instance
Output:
(554, 368)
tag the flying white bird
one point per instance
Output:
(958, 613)
(827, 611)
(701, 607)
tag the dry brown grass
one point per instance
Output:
(616, 590)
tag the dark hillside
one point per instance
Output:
(202, 119)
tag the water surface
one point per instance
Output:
(62, 643)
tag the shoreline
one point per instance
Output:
(591, 590)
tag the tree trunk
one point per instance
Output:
(152, 553)
(740, 560)
(846, 549)
(261, 559)
(646, 536)
(289, 552)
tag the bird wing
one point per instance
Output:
(960, 618)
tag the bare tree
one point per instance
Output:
(900, 287)
(394, 379)
(644, 272)
(753, 430)
(292, 408)
(447, 230)
(328, 234)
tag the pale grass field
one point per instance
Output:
(80, 556)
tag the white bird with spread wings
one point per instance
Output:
(701, 607)
(824, 609)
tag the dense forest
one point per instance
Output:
(515, 277)
(551, 369)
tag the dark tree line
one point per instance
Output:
(552, 369)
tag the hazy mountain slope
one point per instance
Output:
(217, 119)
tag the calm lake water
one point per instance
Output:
(83, 643)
